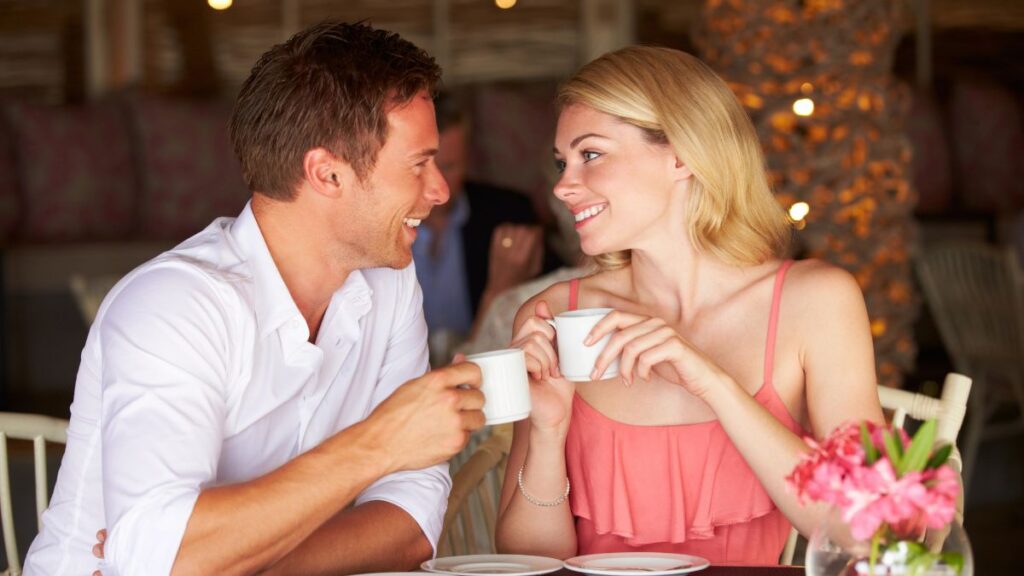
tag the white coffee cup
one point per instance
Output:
(575, 359)
(505, 385)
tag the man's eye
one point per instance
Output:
(560, 166)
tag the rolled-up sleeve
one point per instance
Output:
(423, 494)
(164, 372)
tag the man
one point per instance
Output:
(239, 392)
(480, 244)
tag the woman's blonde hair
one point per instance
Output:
(677, 99)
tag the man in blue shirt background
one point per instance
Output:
(484, 241)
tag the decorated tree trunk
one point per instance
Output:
(815, 77)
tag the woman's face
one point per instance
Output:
(622, 189)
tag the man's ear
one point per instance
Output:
(325, 173)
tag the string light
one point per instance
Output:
(798, 211)
(219, 4)
(504, 4)
(803, 107)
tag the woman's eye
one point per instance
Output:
(560, 165)
(589, 155)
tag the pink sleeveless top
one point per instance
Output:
(680, 488)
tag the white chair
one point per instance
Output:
(40, 430)
(473, 503)
(948, 412)
(976, 294)
(89, 292)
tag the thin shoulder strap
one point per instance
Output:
(773, 322)
(574, 293)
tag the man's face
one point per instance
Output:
(402, 188)
(451, 158)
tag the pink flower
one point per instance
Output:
(869, 497)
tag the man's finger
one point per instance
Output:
(466, 373)
(471, 399)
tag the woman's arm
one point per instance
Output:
(538, 448)
(824, 314)
(824, 308)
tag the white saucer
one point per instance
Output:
(632, 563)
(506, 564)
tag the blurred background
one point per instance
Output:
(893, 129)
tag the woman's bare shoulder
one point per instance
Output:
(819, 288)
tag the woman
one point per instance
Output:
(729, 355)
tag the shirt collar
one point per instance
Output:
(273, 302)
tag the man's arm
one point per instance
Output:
(164, 412)
(351, 543)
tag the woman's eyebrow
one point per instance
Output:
(576, 141)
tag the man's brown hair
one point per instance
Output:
(329, 86)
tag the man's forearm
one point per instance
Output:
(375, 537)
(244, 528)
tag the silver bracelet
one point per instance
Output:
(543, 503)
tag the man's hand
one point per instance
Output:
(516, 255)
(428, 420)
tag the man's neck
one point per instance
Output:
(310, 275)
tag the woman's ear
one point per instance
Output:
(680, 170)
(325, 173)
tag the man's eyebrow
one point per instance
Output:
(576, 141)
(425, 153)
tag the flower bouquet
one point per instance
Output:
(893, 502)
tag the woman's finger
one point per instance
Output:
(617, 344)
(614, 320)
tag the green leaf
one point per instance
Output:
(919, 564)
(870, 452)
(892, 449)
(939, 457)
(920, 447)
(954, 560)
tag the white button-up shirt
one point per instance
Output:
(198, 372)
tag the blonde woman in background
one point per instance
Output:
(729, 354)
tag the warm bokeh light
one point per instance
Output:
(219, 4)
(798, 211)
(803, 107)
(504, 4)
(807, 88)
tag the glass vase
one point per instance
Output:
(833, 551)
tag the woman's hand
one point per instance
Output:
(644, 343)
(550, 394)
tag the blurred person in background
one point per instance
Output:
(485, 240)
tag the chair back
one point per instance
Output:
(473, 503)
(40, 430)
(948, 412)
(976, 294)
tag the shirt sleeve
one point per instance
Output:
(164, 356)
(423, 494)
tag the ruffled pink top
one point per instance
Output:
(681, 488)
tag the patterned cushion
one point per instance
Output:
(75, 168)
(190, 174)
